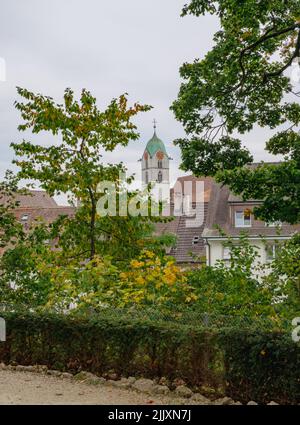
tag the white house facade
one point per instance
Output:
(235, 217)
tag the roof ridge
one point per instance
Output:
(45, 208)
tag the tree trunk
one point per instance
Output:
(92, 226)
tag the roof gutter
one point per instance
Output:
(272, 237)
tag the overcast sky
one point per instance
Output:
(109, 47)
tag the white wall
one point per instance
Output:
(217, 251)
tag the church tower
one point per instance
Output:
(155, 162)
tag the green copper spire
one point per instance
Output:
(155, 144)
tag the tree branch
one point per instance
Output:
(295, 55)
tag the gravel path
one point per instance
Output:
(31, 388)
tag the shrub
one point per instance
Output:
(105, 342)
(261, 366)
(229, 292)
(148, 280)
(247, 364)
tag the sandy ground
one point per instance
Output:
(29, 388)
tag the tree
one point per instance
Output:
(235, 288)
(74, 165)
(23, 282)
(286, 273)
(149, 281)
(78, 255)
(10, 228)
(242, 82)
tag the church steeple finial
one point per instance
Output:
(154, 125)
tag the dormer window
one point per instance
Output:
(243, 218)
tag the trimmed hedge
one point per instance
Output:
(247, 364)
(261, 365)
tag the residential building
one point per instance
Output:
(36, 206)
(235, 217)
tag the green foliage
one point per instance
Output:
(233, 288)
(261, 366)
(35, 275)
(10, 229)
(78, 259)
(286, 274)
(151, 280)
(74, 165)
(240, 83)
(224, 154)
(21, 281)
(84, 288)
(287, 261)
(130, 346)
(281, 201)
(246, 364)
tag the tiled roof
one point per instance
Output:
(34, 199)
(219, 216)
(38, 205)
(30, 215)
(187, 249)
(238, 199)
(190, 244)
(182, 185)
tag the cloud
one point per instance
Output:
(110, 48)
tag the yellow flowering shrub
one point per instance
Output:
(154, 280)
(148, 280)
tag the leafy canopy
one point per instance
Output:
(77, 257)
(74, 165)
(242, 82)
(10, 228)
(234, 288)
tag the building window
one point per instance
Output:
(25, 217)
(160, 177)
(271, 252)
(196, 240)
(147, 177)
(160, 164)
(243, 218)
